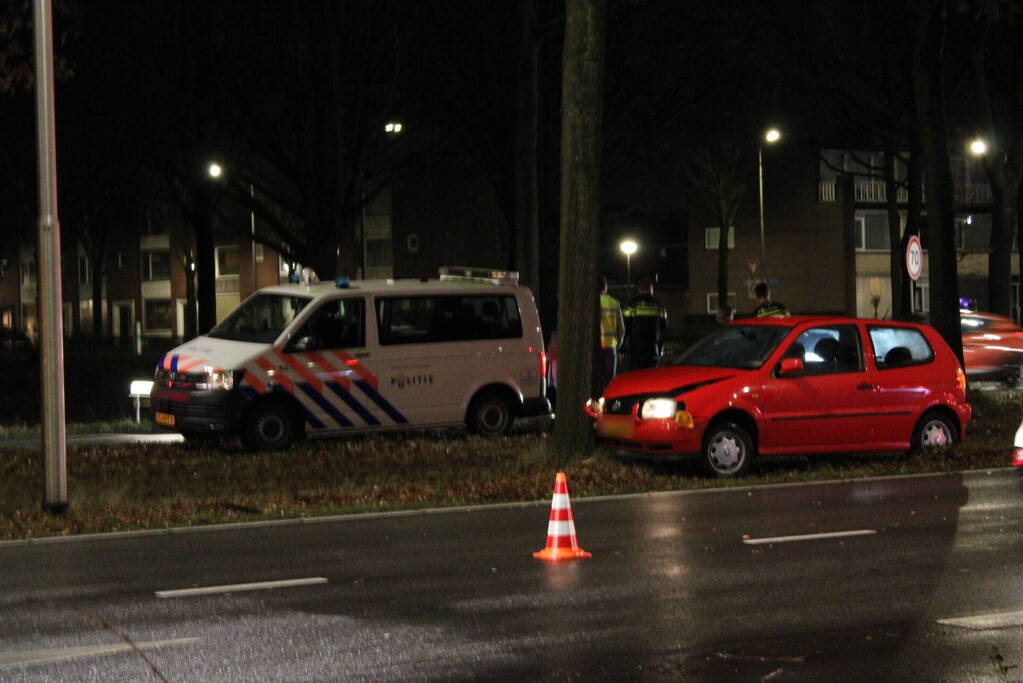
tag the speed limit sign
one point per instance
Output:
(914, 257)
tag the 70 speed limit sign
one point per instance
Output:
(914, 258)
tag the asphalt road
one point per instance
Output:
(680, 587)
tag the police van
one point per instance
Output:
(345, 357)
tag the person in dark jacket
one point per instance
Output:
(645, 322)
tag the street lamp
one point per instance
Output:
(215, 170)
(771, 136)
(628, 247)
(978, 147)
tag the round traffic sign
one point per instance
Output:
(914, 257)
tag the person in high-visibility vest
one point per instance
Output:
(612, 330)
(765, 307)
(646, 320)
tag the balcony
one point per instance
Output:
(873, 191)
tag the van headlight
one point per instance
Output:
(658, 408)
(216, 378)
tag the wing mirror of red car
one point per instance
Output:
(790, 366)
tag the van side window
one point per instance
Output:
(899, 346)
(423, 319)
(337, 324)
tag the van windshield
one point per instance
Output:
(261, 319)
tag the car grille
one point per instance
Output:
(623, 404)
(187, 409)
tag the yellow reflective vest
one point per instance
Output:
(612, 325)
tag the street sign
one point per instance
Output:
(914, 258)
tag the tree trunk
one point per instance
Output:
(929, 100)
(97, 293)
(722, 281)
(206, 270)
(895, 238)
(582, 99)
(527, 182)
(1003, 223)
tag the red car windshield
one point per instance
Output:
(734, 346)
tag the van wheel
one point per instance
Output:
(727, 450)
(490, 414)
(934, 430)
(269, 426)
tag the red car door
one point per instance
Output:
(906, 375)
(830, 405)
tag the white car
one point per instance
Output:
(335, 358)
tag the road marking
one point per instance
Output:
(983, 622)
(239, 587)
(807, 537)
(38, 656)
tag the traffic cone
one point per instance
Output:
(561, 542)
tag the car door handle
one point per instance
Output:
(866, 386)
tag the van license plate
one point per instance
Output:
(616, 429)
(165, 419)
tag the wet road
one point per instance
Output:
(917, 579)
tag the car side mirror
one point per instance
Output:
(790, 366)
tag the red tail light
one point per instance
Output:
(543, 363)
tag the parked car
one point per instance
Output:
(805, 384)
(992, 347)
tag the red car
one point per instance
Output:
(804, 384)
(992, 347)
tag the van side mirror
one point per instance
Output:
(791, 366)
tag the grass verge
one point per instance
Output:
(117, 488)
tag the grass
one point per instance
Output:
(115, 488)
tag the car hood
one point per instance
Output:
(219, 353)
(666, 380)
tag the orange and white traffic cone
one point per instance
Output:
(561, 541)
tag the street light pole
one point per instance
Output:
(51, 333)
(628, 247)
(760, 195)
(771, 136)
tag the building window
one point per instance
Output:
(227, 261)
(973, 232)
(379, 252)
(28, 273)
(921, 297)
(155, 265)
(157, 314)
(259, 253)
(711, 236)
(872, 231)
(712, 301)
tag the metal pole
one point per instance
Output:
(51, 333)
(760, 194)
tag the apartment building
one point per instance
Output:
(826, 245)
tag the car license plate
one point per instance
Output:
(165, 419)
(615, 429)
